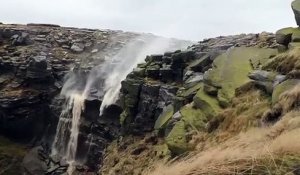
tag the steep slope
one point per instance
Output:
(228, 105)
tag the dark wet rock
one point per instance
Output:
(32, 164)
(38, 68)
(201, 63)
(266, 80)
(21, 39)
(166, 73)
(42, 25)
(153, 71)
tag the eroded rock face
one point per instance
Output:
(184, 70)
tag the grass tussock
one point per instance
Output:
(270, 150)
(285, 62)
(288, 101)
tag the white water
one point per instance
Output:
(78, 107)
(132, 54)
(77, 88)
(74, 102)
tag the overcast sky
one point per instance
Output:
(185, 19)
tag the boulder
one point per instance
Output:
(189, 92)
(33, 164)
(77, 47)
(231, 69)
(194, 119)
(284, 36)
(296, 9)
(38, 68)
(20, 39)
(153, 71)
(201, 64)
(164, 117)
(208, 104)
(176, 140)
(193, 79)
(261, 75)
(166, 73)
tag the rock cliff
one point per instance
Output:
(220, 106)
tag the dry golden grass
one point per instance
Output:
(271, 150)
(290, 99)
(285, 62)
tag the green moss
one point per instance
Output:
(231, 69)
(296, 36)
(287, 31)
(123, 117)
(176, 140)
(194, 118)
(164, 117)
(162, 150)
(186, 93)
(208, 104)
(283, 87)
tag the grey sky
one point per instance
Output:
(187, 19)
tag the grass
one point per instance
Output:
(243, 146)
(285, 62)
(257, 151)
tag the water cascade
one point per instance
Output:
(105, 79)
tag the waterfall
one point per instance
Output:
(78, 102)
(68, 130)
(106, 80)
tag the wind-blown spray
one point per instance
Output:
(105, 79)
(132, 54)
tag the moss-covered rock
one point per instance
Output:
(283, 87)
(231, 68)
(194, 118)
(176, 140)
(296, 35)
(208, 104)
(164, 117)
(189, 93)
(284, 36)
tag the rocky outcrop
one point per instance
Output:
(34, 62)
(203, 79)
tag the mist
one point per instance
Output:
(184, 19)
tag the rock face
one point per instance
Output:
(181, 91)
(35, 61)
(296, 9)
(38, 68)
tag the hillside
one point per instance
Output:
(84, 101)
